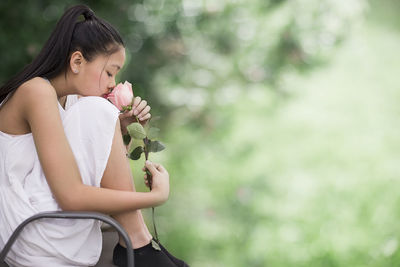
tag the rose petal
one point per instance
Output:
(121, 95)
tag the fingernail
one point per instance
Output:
(148, 162)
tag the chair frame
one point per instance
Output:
(71, 215)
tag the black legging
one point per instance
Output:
(146, 256)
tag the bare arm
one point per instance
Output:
(40, 109)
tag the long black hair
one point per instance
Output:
(91, 36)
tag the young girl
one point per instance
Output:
(62, 152)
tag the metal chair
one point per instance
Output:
(70, 215)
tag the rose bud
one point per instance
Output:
(122, 96)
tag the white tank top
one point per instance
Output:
(89, 125)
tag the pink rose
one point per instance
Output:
(122, 96)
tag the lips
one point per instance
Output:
(105, 96)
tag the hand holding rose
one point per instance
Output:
(134, 108)
(159, 180)
(135, 114)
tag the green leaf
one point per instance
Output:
(136, 130)
(126, 138)
(155, 245)
(155, 146)
(134, 144)
(136, 153)
(153, 132)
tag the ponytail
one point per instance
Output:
(92, 36)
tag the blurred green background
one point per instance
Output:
(280, 120)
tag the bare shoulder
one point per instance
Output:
(36, 88)
(36, 97)
(30, 96)
(39, 108)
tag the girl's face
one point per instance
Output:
(98, 76)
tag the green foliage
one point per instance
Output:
(155, 146)
(310, 182)
(127, 139)
(136, 130)
(206, 47)
(136, 153)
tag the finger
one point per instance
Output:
(150, 166)
(140, 107)
(156, 165)
(136, 101)
(145, 117)
(159, 167)
(144, 112)
(162, 169)
(146, 179)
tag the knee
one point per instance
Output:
(93, 107)
(92, 113)
(90, 125)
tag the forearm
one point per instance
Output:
(109, 201)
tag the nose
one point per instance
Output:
(111, 85)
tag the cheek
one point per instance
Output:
(104, 80)
(96, 82)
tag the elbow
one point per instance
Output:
(67, 205)
(71, 202)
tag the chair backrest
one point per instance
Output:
(71, 215)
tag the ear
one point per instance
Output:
(76, 61)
